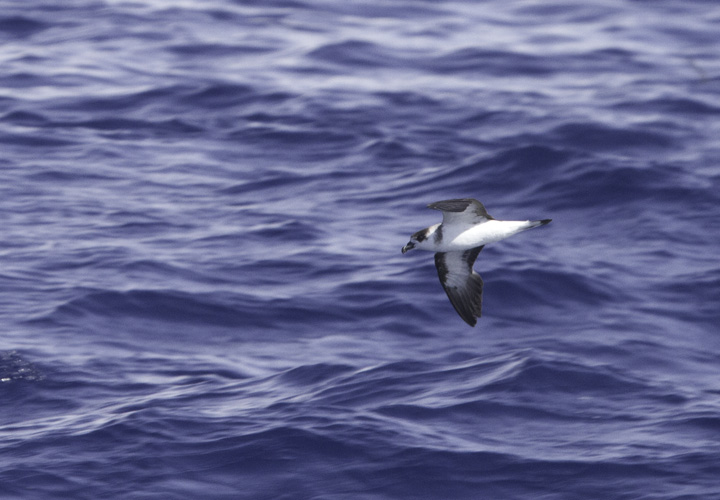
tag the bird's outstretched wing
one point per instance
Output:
(462, 211)
(463, 286)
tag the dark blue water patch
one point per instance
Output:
(538, 376)
(599, 137)
(703, 422)
(521, 169)
(398, 10)
(561, 13)
(52, 176)
(86, 258)
(302, 144)
(459, 474)
(356, 54)
(611, 60)
(482, 412)
(281, 270)
(198, 374)
(259, 461)
(437, 473)
(297, 138)
(496, 118)
(363, 290)
(363, 54)
(112, 127)
(398, 315)
(139, 128)
(399, 307)
(218, 50)
(23, 80)
(164, 306)
(361, 118)
(275, 4)
(16, 478)
(139, 229)
(63, 176)
(674, 105)
(705, 283)
(21, 26)
(410, 99)
(526, 157)
(288, 231)
(431, 145)
(143, 269)
(124, 101)
(226, 95)
(47, 481)
(515, 289)
(704, 286)
(491, 62)
(140, 309)
(220, 14)
(617, 185)
(34, 140)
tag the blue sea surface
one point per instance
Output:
(203, 203)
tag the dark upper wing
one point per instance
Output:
(464, 210)
(462, 285)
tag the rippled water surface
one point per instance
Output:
(202, 293)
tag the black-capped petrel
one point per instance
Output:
(465, 229)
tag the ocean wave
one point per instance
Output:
(162, 306)
(203, 290)
(14, 367)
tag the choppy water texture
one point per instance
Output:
(203, 205)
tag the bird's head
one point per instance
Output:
(417, 239)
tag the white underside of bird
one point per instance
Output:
(461, 236)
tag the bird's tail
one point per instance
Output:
(536, 223)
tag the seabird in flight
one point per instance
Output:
(457, 241)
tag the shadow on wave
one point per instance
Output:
(443, 386)
(215, 309)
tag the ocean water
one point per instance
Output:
(202, 293)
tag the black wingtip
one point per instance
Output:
(545, 221)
